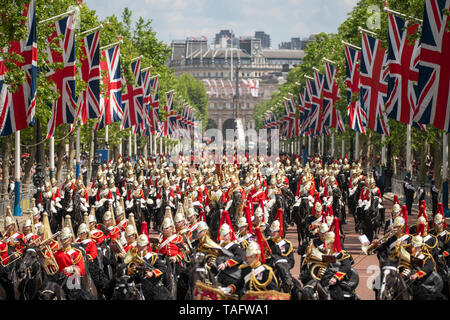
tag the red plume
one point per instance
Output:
(317, 198)
(405, 216)
(202, 216)
(279, 217)
(262, 244)
(337, 235)
(225, 218)
(395, 200)
(423, 213)
(330, 211)
(422, 203)
(440, 209)
(144, 230)
(421, 229)
(249, 219)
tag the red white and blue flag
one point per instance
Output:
(374, 87)
(17, 109)
(89, 102)
(132, 101)
(434, 67)
(403, 59)
(331, 94)
(356, 115)
(64, 109)
(111, 100)
(171, 116)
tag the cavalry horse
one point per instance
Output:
(300, 212)
(371, 220)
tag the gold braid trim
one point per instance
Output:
(258, 286)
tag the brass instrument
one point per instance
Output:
(49, 264)
(370, 249)
(210, 248)
(319, 262)
(404, 267)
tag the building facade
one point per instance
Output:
(260, 73)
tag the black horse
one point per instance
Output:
(288, 284)
(234, 208)
(371, 219)
(300, 212)
(392, 285)
(213, 219)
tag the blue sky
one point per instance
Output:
(178, 19)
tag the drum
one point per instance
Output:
(266, 295)
(203, 291)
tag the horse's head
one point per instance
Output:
(282, 270)
(29, 265)
(389, 282)
(126, 289)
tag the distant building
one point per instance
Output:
(264, 38)
(261, 72)
(297, 43)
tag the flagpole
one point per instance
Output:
(120, 147)
(130, 154)
(106, 135)
(135, 147)
(17, 209)
(322, 149)
(332, 145)
(383, 150)
(408, 148)
(343, 147)
(150, 143)
(91, 30)
(309, 146)
(52, 156)
(356, 146)
(58, 16)
(444, 173)
(78, 168)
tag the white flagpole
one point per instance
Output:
(160, 145)
(383, 150)
(77, 155)
(120, 147)
(135, 146)
(343, 147)
(17, 209)
(309, 146)
(356, 146)
(106, 135)
(332, 145)
(129, 146)
(150, 143)
(444, 156)
(322, 149)
(52, 156)
(408, 148)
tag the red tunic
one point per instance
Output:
(70, 257)
(90, 248)
(4, 253)
(169, 247)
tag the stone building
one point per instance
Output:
(260, 73)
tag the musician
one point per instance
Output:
(244, 235)
(121, 221)
(259, 220)
(396, 210)
(422, 228)
(400, 236)
(147, 269)
(96, 234)
(192, 217)
(88, 244)
(282, 249)
(70, 260)
(341, 270)
(180, 225)
(36, 218)
(131, 237)
(255, 275)
(229, 272)
(4, 256)
(441, 233)
(313, 221)
(27, 230)
(422, 277)
(171, 243)
(13, 237)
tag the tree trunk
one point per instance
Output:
(423, 168)
(5, 165)
(29, 165)
(60, 150)
(437, 160)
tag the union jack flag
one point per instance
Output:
(403, 58)
(89, 102)
(17, 109)
(374, 87)
(434, 67)
(132, 101)
(111, 100)
(147, 91)
(136, 69)
(64, 109)
(171, 121)
(331, 94)
(356, 115)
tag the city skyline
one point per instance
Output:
(180, 19)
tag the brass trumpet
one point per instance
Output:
(370, 249)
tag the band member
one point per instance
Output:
(131, 237)
(282, 249)
(229, 269)
(70, 260)
(14, 238)
(440, 231)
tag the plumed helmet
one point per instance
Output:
(417, 241)
(242, 222)
(422, 220)
(27, 223)
(438, 218)
(91, 218)
(275, 226)
(324, 227)
(399, 222)
(329, 237)
(142, 240)
(130, 230)
(202, 226)
(107, 216)
(259, 212)
(396, 208)
(318, 207)
(252, 249)
(167, 222)
(224, 229)
(179, 216)
(8, 221)
(66, 233)
(191, 212)
(83, 228)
